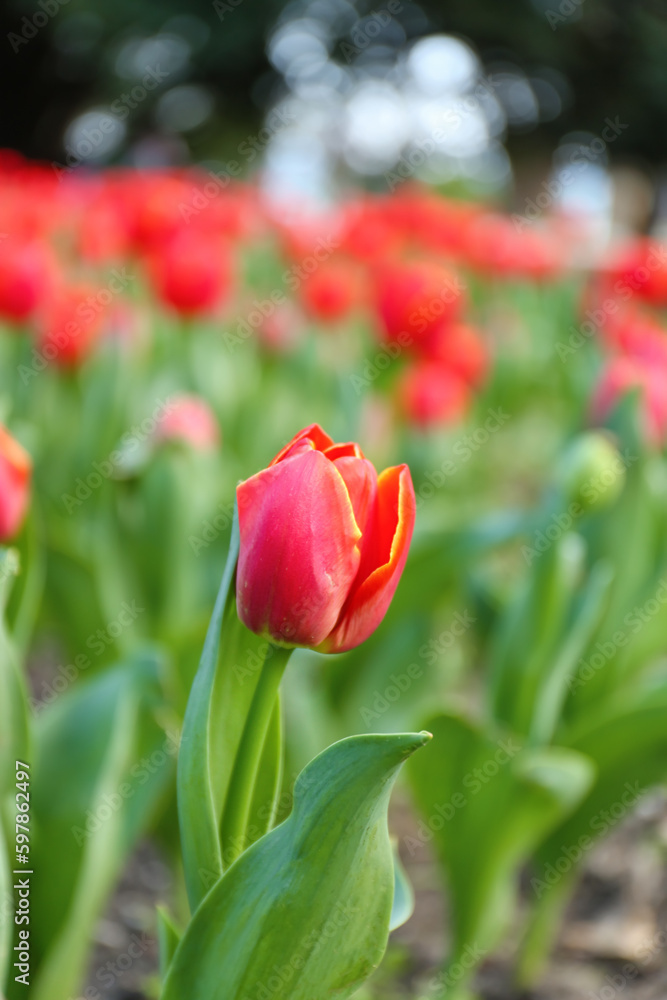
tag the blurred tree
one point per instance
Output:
(62, 56)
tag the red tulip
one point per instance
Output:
(324, 540)
(623, 374)
(189, 419)
(15, 473)
(431, 394)
(638, 268)
(27, 271)
(72, 323)
(461, 349)
(495, 246)
(330, 293)
(192, 273)
(368, 232)
(417, 298)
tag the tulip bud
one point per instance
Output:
(15, 473)
(323, 543)
(190, 419)
(592, 471)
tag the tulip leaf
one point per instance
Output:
(486, 804)
(14, 714)
(198, 815)
(232, 663)
(70, 777)
(308, 906)
(629, 750)
(552, 694)
(64, 963)
(168, 937)
(530, 632)
(404, 896)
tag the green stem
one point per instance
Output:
(246, 767)
(541, 932)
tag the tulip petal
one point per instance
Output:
(371, 594)
(314, 434)
(349, 450)
(15, 471)
(299, 549)
(360, 478)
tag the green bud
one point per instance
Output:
(592, 471)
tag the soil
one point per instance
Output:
(613, 942)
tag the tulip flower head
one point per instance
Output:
(461, 348)
(72, 323)
(192, 273)
(431, 394)
(15, 473)
(189, 419)
(623, 374)
(331, 292)
(324, 540)
(27, 272)
(417, 298)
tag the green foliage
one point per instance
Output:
(307, 907)
(487, 802)
(101, 766)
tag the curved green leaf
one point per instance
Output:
(307, 907)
